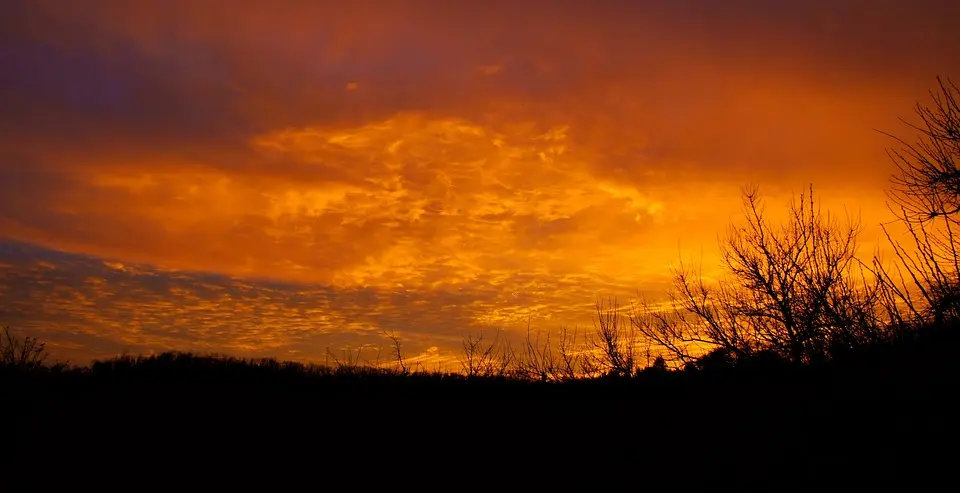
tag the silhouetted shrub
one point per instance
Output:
(717, 360)
(20, 354)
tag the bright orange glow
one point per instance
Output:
(280, 178)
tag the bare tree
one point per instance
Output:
(397, 351)
(482, 358)
(536, 361)
(927, 182)
(25, 353)
(794, 289)
(930, 290)
(614, 340)
(554, 359)
(349, 363)
(571, 356)
(670, 326)
(925, 198)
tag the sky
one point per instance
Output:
(287, 178)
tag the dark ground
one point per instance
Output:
(789, 430)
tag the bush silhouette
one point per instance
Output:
(20, 354)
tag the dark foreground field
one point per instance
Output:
(884, 421)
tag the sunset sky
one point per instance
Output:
(275, 178)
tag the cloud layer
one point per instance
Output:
(428, 167)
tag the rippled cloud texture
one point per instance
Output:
(276, 178)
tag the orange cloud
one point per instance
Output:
(427, 165)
